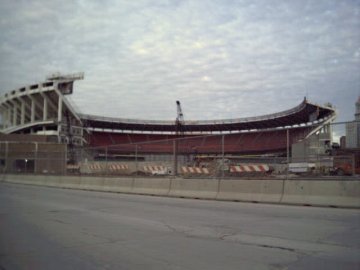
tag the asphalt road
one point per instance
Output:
(48, 228)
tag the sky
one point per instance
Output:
(221, 58)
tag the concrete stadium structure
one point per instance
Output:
(43, 108)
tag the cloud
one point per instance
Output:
(222, 59)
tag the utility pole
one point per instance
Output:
(287, 152)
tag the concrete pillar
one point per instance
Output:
(330, 133)
(32, 110)
(15, 114)
(60, 105)
(45, 109)
(4, 117)
(22, 113)
(8, 120)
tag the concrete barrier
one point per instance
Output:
(322, 193)
(92, 183)
(340, 193)
(152, 186)
(25, 179)
(251, 190)
(51, 180)
(194, 188)
(11, 178)
(72, 182)
(39, 180)
(121, 185)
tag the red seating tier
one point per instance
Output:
(255, 142)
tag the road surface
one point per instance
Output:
(49, 228)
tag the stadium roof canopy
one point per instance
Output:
(304, 114)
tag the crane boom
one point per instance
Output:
(180, 115)
(179, 123)
(179, 131)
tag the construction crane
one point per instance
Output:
(179, 119)
(179, 130)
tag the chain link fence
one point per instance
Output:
(282, 153)
(33, 157)
(268, 154)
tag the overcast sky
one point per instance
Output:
(220, 58)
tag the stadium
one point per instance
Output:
(44, 109)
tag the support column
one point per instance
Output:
(45, 109)
(15, 115)
(330, 134)
(8, 119)
(32, 111)
(60, 106)
(3, 117)
(22, 112)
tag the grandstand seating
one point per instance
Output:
(252, 142)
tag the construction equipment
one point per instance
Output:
(179, 122)
(345, 165)
(302, 167)
(179, 131)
